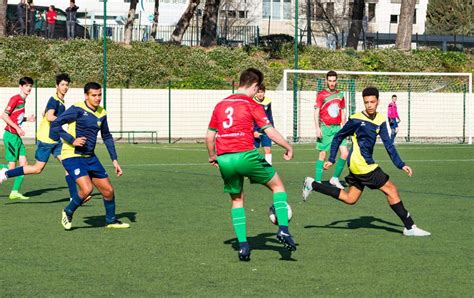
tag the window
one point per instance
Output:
(266, 8)
(393, 19)
(243, 14)
(276, 9)
(330, 9)
(231, 13)
(371, 15)
(319, 11)
(287, 11)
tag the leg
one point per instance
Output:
(268, 154)
(350, 197)
(318, 176)
(15, 193)
(239, 222)
(86, 187)
(104, 186)
(341, 162)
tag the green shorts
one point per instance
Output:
(14, 147)
(235, 166)
(328, 133)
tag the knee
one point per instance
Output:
(344, 155)
(108, 192)
(85, 191)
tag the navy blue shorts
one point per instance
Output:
(393, 123)
(44, 150)
(84, 166)
(263, 141)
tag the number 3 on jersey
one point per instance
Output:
(229, 111)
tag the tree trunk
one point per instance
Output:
(405, 25)
(184, 22)
(356, 24)
(129, 23)
(209, 23)
(308, 22)
(156, 13)
(3, 18)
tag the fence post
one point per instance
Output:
(409, 111)
(36, 111)
(258, 36)
(464, 114)
(352, 95)
(169, 112)
(233, 86)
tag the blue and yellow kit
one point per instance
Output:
(56, 104)
(82, 121)
(364, 131)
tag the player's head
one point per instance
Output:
(260, 92)
(26, 84)
(62, 83)
(371, 99)
(249, 81)
(51, 7)
(331, 79)
(394, 97)
(93, 94)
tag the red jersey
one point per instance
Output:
(330, 105)
(51, 17)
(16, 111)
(233, 119)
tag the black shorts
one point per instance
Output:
(373, 180)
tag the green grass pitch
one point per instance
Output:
(181, 241)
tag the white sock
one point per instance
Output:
(268, 158)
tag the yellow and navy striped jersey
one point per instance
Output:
(82, 122)
(56, 104)
(364, 131)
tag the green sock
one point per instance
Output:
(17, 183)
(318, 176)
(3, 166)
(339, 167)
(239, 223)
(281, 208)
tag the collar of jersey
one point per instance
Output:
(56, 97)
(100, 112)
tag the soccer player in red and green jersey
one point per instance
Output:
(14, 116)
(229, 141)
(329, 117)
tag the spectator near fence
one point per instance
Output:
(21, 15)
(71, 19)
(51, 17)
(40, 23)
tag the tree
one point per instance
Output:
(184, 22)
(332, 17)
(449, 18)
(356, 23)
(209, 23)
(130, 20)
(156, 14)
(405, 26)
(3, 18)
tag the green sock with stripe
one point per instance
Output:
(239, 223)
(339, 167)
(318, 176)
(281, 208)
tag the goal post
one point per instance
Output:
(433, 107)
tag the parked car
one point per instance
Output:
(60, 29)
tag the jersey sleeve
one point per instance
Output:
(343, 102)
(319, 101)
(390, 147)
(259, 116)
(57, 131)
(347, 130)
(108, 139)
(52, 105)
(12, 103)
(213, 123)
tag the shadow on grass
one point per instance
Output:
(264, 241)
(98, 221)
(363, 222)
(39, 191)
(32, 201)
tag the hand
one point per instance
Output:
(31, 118)
(20, 132)
(327, 165)
(256, 134)
(318, 132)
(118, 169)
(408, 170)
(213, 161)
(79, 142)
(396, 129)
(288, 155)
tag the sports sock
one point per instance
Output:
(339, 167)
(17, 183)
(328, 190)
(280, 203)
(15, 172)
(109, 210)
(268, 158)
(239, 223)
(71, 185)
(318, 176)
(73, 204)
(3, 166)
(404, 215)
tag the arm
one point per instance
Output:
(50, 115)
(347, 130)
(275, 136)
(390, 147)
(109, 143)
(211, 146)
(343, 117)
(10, 122)
(57, 131)
(316, 123)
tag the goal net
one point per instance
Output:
(433, 107)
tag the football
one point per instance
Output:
(272, 216)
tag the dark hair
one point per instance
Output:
(250, 76)
(394, 95)
(91, 86)
(62, 77)
(331, 73)
(52, 6)
(26, 80)
(370, 91)
(262, 88)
